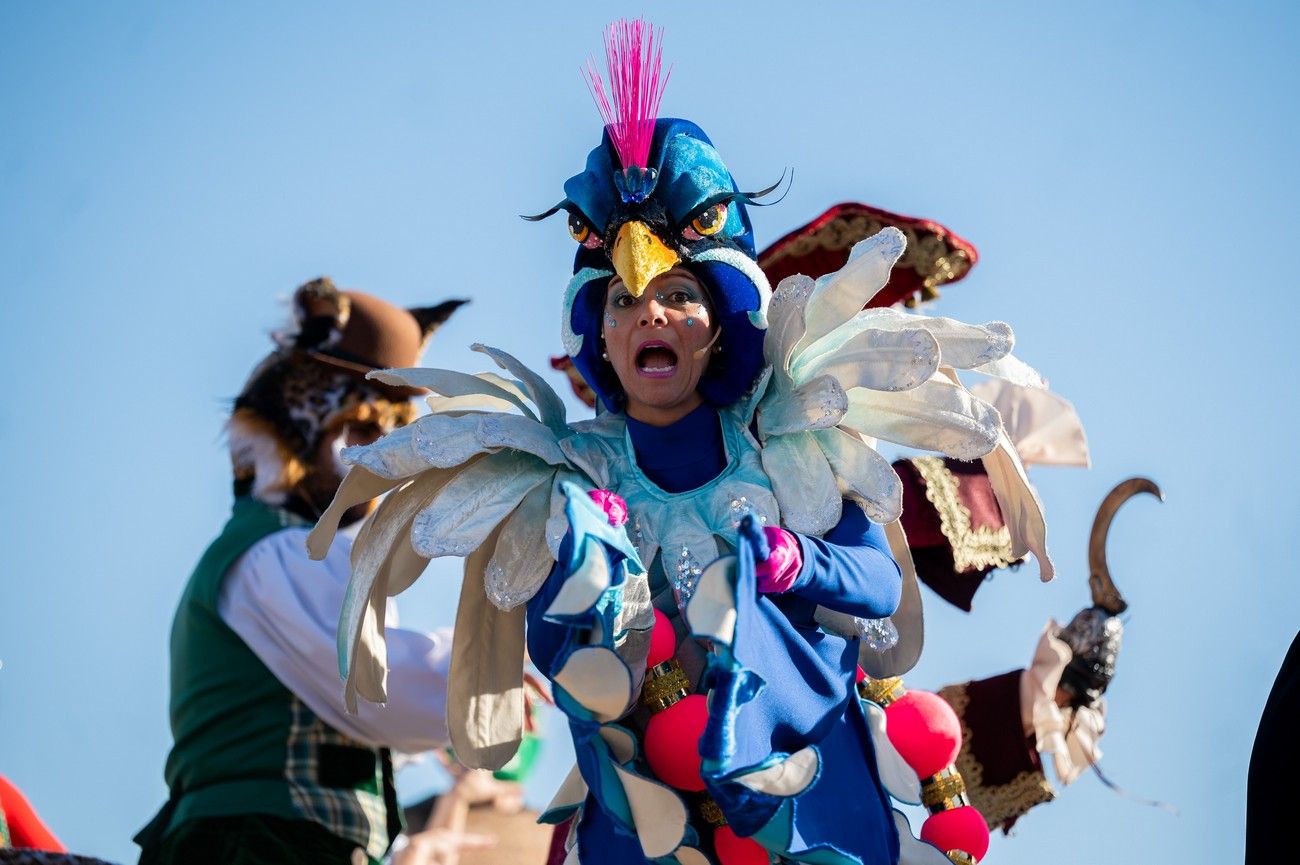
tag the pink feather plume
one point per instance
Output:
(633, 62)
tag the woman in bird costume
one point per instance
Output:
(700, 569)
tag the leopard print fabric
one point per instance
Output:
(302, 398)
(291, 403)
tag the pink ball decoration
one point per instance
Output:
(672, 742)
(734, 850)
(663, 641)
(925, 731)
(959, 829)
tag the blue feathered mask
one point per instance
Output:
(656, 195)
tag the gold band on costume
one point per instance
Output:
(882, 692)
(944, 791)
(665, 684)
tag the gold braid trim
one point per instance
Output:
(927, 254)
(997, 803)
(973, 549)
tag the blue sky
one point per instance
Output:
(169, 173)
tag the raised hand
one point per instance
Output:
(777, 556)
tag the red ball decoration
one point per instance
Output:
(860, 676)
(959, 829)
(663, 641)
(672, 742)
(734, 850)
(925, 731)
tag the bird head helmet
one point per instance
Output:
(654, 195)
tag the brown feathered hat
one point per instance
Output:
(314, 382)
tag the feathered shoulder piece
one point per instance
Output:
(844, 376)
(479, 477)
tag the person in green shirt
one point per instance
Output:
(267, 765)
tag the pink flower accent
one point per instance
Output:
(612, 504)
(780, 569)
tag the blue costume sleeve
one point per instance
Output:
(850, 570)
(548, 640)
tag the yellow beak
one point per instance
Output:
(639, 256)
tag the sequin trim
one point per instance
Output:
(973, 548)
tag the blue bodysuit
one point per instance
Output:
(806, 697)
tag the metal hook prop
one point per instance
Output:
(1104, 593)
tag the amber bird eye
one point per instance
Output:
(579, 230)
(710, 220)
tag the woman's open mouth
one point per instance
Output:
(654, 359)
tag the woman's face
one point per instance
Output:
(659, 344)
